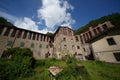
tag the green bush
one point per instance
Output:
(69, 59)
(40, 63)
(16, 62)
(45, 62)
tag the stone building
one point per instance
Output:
(11, 36)
(104, 42)
(99, 42)
(66, 43)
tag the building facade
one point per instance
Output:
(104, 41)
(66, 43)
(11, 36)
(100, 42)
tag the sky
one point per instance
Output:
(47, 15)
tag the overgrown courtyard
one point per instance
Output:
(18, 64)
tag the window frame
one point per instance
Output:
(40, 46)
(32, 45)
(7, 32)
(78, 47)
(111, 41)
(22, 44)
(117, 56)
(9, 43)
(47, 46)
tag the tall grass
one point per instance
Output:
(102, 70)
(92, 70)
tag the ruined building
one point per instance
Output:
(100, 42)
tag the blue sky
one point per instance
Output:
(48, 15)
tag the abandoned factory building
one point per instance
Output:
(100, 42)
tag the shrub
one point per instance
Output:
(69, 59)
(16, 62)
(40, 63)
(45, 62)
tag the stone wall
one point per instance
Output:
(15, 37)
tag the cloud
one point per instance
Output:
(55, 12)
(26, 23)
(45, 30)
(8, 16)
(52, 13)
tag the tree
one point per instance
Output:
(5, 22)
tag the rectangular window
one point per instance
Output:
(78, 47)
(84, 49)
(64, 39)
(95, 31)
(111, 41)
(76, 39)
(37, 36)
(34, 36)
(81, 39)
(9, 43)
(22, 44)
(32, 45)
(87, 36)
(104, 27)
(117, 56)
(40, 46)
(7, 32)
(44, 38)
(19, 34)
(30, 35)
(46, 46)
(47, 39)
(13, 33)
(41, 37)
(99, 29)
(25, 35)
(1, 30)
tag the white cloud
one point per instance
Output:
(45, 30)
(26, 23)
(29, 24)
(54, 13)
(8, 16)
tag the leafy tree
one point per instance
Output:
(5, 22)
(49, 34)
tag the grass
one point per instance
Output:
(92, 70)
(102, 71)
